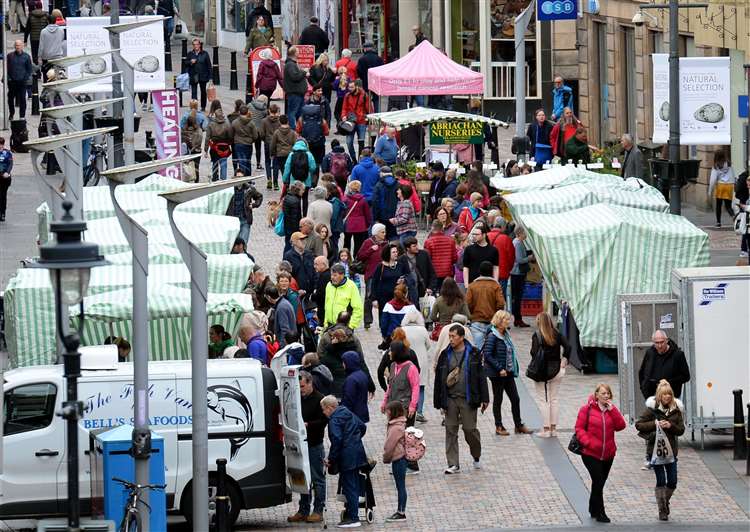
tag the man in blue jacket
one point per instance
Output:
(562, 97)
(384, 201)
(367, 173)
(19, 72)
(386, 147)
(284, 320)
(346, 454)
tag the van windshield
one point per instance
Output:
(29, 407)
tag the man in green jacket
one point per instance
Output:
(577, 148)
(342, 295)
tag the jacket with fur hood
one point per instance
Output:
(646, 424)
(393, 448)
(595, 429)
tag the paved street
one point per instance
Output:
(525, 482)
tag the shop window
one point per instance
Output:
(233, 15)
(466, 34)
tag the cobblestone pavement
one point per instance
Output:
(514, 488)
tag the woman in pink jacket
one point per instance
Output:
(394, 453)
(597, 422)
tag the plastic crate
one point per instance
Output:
(532, 291)
(605, 361)
(531, 307)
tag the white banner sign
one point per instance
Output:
(704, 100)
(142, 47)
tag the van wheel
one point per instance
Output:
(235, 500)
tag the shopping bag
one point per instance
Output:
(662, 454)
(182, 82)
(210, 91)
(426, 303)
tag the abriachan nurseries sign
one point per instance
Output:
(456, 133)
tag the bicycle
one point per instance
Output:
(91, 173)
(132, 519)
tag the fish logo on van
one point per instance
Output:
(231, 405)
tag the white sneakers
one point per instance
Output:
(452, 470)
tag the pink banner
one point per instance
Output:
(167, 129)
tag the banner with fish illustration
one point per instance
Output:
(142, 47)
(704, 100)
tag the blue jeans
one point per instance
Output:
(504, 286)
(666, 475)
(419, 100)
(361, 131)
(244, 229)
(317, 471)
(478, 331)
(218, 167)
(404, 236)
(350, 488)
(399, 477)
(295, 102)
(267, 159)
(241, 157)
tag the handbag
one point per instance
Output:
(453, 374)
(357, 267)
(574, 446)
(222, 149)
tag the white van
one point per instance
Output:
(245, 427)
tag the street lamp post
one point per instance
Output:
(69, 261)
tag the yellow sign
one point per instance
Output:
(456, 133)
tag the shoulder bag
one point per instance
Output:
(574, 446)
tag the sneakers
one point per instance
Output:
(314, 518)
(646, 465)
(348, 523)
(452, 470)
(477, 464)
(500, 431)
(269, 185)
(420, 418)
(396, 517)
(296, 518)
(523, 430)
(383, 345)
(717, 224)
(410, 471)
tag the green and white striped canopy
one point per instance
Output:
(590, 255)
(555, 176)
(425, 115)
(567, 198)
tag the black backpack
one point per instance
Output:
(300, 167)
(312, 124)
(537, 368)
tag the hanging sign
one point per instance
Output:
(556, 10)
(457, 132)
(167, 129)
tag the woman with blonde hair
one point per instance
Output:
(501, 367)
(549, 340)
(596, 424)
(321, 74)
(664, 410)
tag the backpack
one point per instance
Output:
(414, 444)
(537, 368)
(312, 124)
(300, 167)
(339, 166)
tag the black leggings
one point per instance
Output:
(599, 471)
(505, 384)
(728, 204)
(516, 295)
(258, 143)
(353, 241)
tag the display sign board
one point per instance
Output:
(456, 133)
(556, 10)
(704, 100)
(167, 129)
(255, 60)
(142, 47)
(305, 55)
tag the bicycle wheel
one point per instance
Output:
(91, 176)
(131, 521)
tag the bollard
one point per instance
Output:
(215, 68)
(35, 95)
(184, 56)
(747, 441)
(222, 500)
(179, 92)
(249, 85)
(233, 84)
(167, 54)
(740, 442)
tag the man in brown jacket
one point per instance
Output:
(282, 142)
(484, 297)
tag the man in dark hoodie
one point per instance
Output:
(338, 163)
(268, 127)
(370, 59)
(282, 142)
(384, 201)
(245, 134)
(315, 423)
(295, 85)
(367, 173)
(314, 34)
(354, 392)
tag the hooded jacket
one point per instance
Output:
(268, 127)
(258, 111)
(484, 297)
(393, 448)
(360, 219)
(672, 366)
(646, 424)
(393, 313)
(595, 429)
(38, 20)
(354, 392)
(345, 431)
(506, 252)
(295, 79)
(244, 130)
(300, 145)
(219, 130)
(327, 162)
(292, 209)
(268, 76)
(384, 200)
(371, 257)
(367, 173)
(322, 378)
(340, 298)
(282, 141)
(51, 42)
(476, 383)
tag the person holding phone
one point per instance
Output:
(596, 424)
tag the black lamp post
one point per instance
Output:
(69, 261)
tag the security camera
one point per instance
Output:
(639, 19)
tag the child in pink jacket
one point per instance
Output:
(395, 454)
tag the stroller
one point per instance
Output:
(366, 494)
(308, 337)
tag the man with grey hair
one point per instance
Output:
(315, 424)
(632, 164)
(342, 295)
(320, 210)
(312, 241)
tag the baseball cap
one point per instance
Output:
(298, 235)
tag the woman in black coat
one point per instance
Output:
(291, 207)
(198, 66)
(540, 134)
(321, 74)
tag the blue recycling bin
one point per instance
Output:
(111, 458)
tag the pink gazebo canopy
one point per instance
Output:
(423, 71)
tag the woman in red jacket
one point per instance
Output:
(597, 422)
